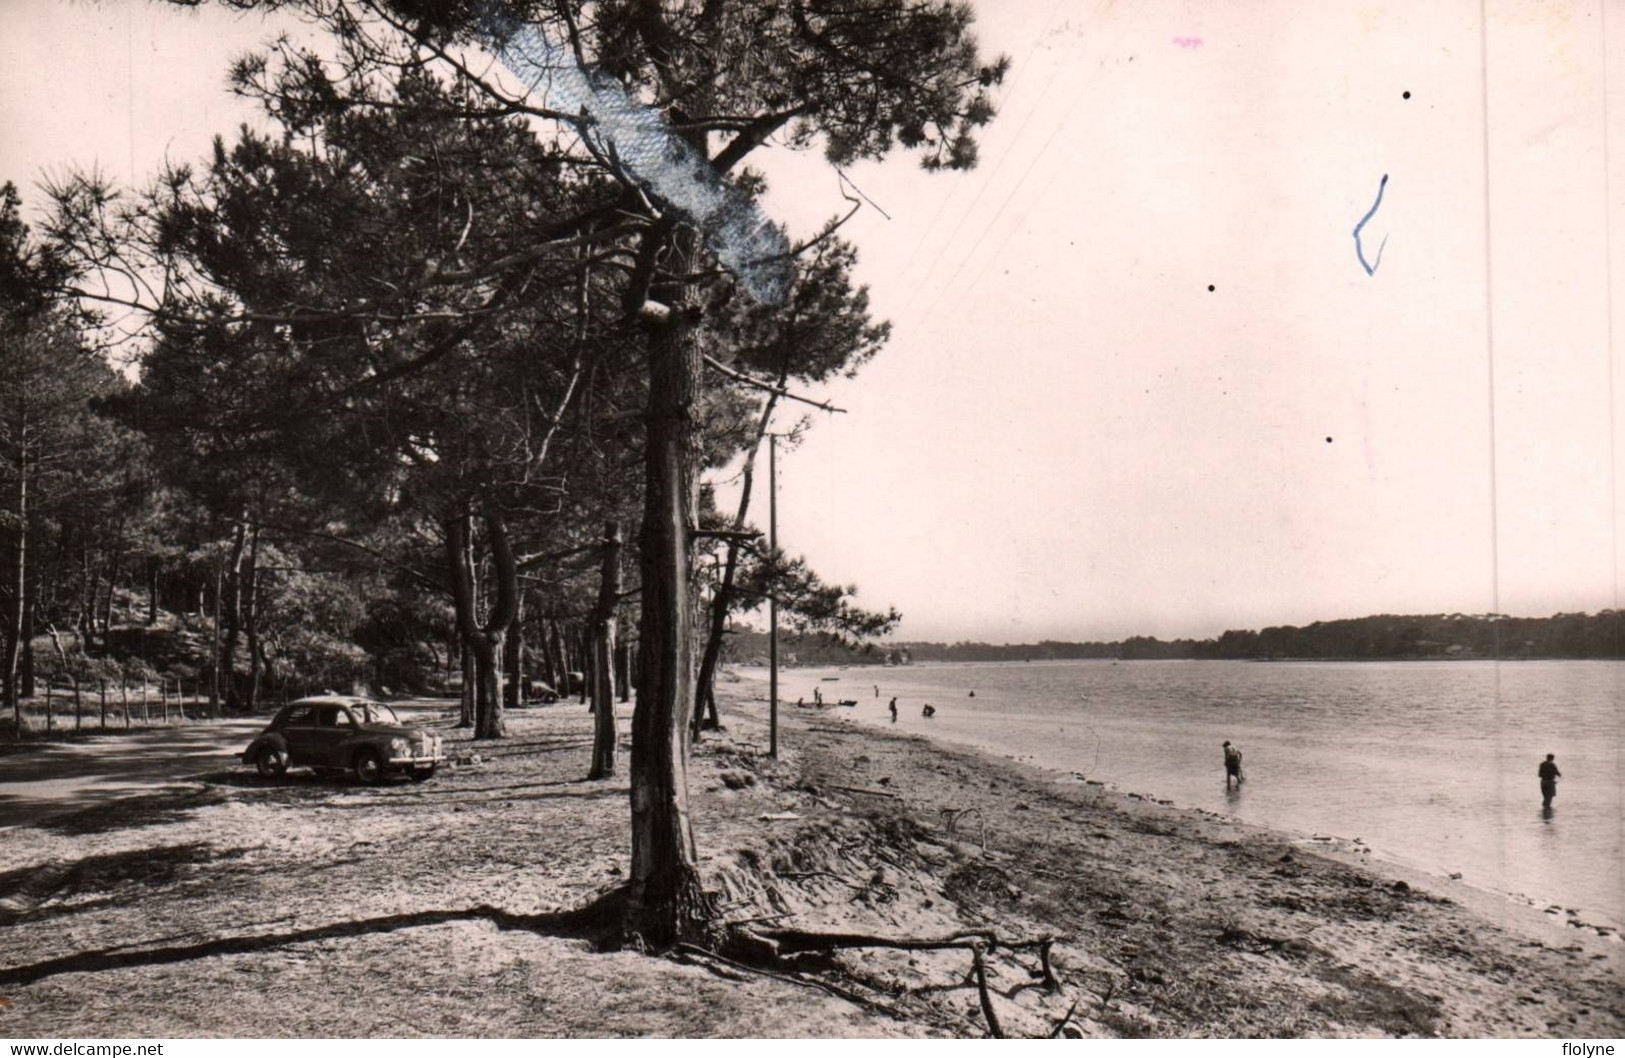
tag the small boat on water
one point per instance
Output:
(830, 679)
(847, 701)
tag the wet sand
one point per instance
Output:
(1198, 925)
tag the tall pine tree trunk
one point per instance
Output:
(90, 581)
(25, 664)
(513, 660)
(16, 607)
(466, 656)
(485, 640)
(563, 657)
(544, 646)
(666, 902)
(112, 579)
(251, 619)
(214, 647)
(705, 692)
(603, 655)
(623, 665)
(488, 719)
(583, 653)
(459, 551)
(234, 615)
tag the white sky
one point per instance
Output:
(1069, 435)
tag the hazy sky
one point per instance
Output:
(1070, 435)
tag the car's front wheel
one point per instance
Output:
(270, 763)
(422, 774)
(368, 767)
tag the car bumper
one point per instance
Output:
(416, 762)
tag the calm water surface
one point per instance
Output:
(1430, 763)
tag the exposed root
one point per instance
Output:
(694, 951)
(788, 941)
(994, 1029)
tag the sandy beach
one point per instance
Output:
(461, 901)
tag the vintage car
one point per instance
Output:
(339, 733)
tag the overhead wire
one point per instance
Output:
(942, 290)
(942, 205)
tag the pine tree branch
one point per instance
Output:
(769, 387)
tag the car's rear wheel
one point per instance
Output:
(422, 774)
(368, 767)
(270, 763)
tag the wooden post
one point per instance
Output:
(124, 699)
(50, 717)
(773, 597)
(101, 691)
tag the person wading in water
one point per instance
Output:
(1548, 780)
(1232, 765)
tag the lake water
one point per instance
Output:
(1431, 764)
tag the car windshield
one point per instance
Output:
(372, 713)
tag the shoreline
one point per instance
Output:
(1165, 921)
(1487, 898)
(1535, 919)
(1445, 880)
(926, 663)
(1498, 929)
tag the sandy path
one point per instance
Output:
(47, 779)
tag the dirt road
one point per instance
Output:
(50, 778)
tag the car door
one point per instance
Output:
(299, 731)
(333, 728)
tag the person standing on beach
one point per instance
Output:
(1232, 765)
(893, 708)
(1548, 780)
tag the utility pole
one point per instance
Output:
(214, 683)
(773, 597)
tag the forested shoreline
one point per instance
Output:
(1382, 637)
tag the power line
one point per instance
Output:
(942, 291)
(1003, 155)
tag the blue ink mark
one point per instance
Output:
(742, 236)
(1359, 250)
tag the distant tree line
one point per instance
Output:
(1378, 637)
(1564, 635)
